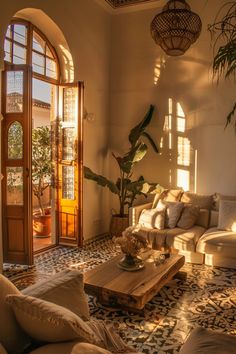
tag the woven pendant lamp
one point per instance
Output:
(176, 27)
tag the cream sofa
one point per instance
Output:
(66, 290)
(203, 243)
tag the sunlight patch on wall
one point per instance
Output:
(68, 66)
(159, 66)
(183, 179)
(183, 151)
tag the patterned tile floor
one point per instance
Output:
(207, 298)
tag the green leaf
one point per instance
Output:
(138, 130)
(134, 155)
(230, 116)
(151, 141)
(101, 181)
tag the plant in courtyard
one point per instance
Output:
(223, 31)
(125, 188)
(41, 163)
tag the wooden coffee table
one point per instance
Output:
(131, 290)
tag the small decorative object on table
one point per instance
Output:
(131, 244)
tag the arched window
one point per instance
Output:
(26, 44)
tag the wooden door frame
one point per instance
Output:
(26, 163)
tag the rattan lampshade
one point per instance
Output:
(176, 27)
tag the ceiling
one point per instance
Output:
(121, 3)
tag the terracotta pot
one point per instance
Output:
(118, 225)
(42, 225)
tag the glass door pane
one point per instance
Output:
(43, 199)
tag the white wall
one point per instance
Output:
(186, 79)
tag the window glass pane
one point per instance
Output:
(9, 32)
(38, 43)
(51, 68)
(68, 182)
(20, 34)
(69, 96)
(15, 141)
(38, 63)
(68, 144)
(14, 185)
(48, 52)
(7, 50)
(19, 54)
(14, 99)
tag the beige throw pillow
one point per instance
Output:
(217, 197)
(203, 201)
(47, 322)
(56, 290)
(173, 212)
(13, 339)
(227, 215)
(188, 217)
(159, 221)
(169, 195)
(147, 218)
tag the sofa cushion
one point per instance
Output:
(205, 341)
(214, 218)
(173, 212)
(184, 240)
(217, 197)
(203, 201)
(47, 322)
(218, 241)
(70, 348)
(11, 335)
(188, 217)
(203, 218)
(56, 290)
(227, 215)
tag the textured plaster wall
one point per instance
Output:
(187, 80)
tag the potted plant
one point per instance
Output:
(125, 188)
(41, 178)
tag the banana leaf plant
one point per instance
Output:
(125, 188)
(223, 32)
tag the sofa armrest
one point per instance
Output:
(58, 287)
(134, 212)
(206, 341)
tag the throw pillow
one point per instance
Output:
(12, 337)
(188, 217)
(57, 289)
(159, 221)
(203, 201)
(47, 322)
(169, 195)
(173, 212)
(227, 215)
(217, 197)
(147, 218)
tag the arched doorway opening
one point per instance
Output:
(41, 146)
